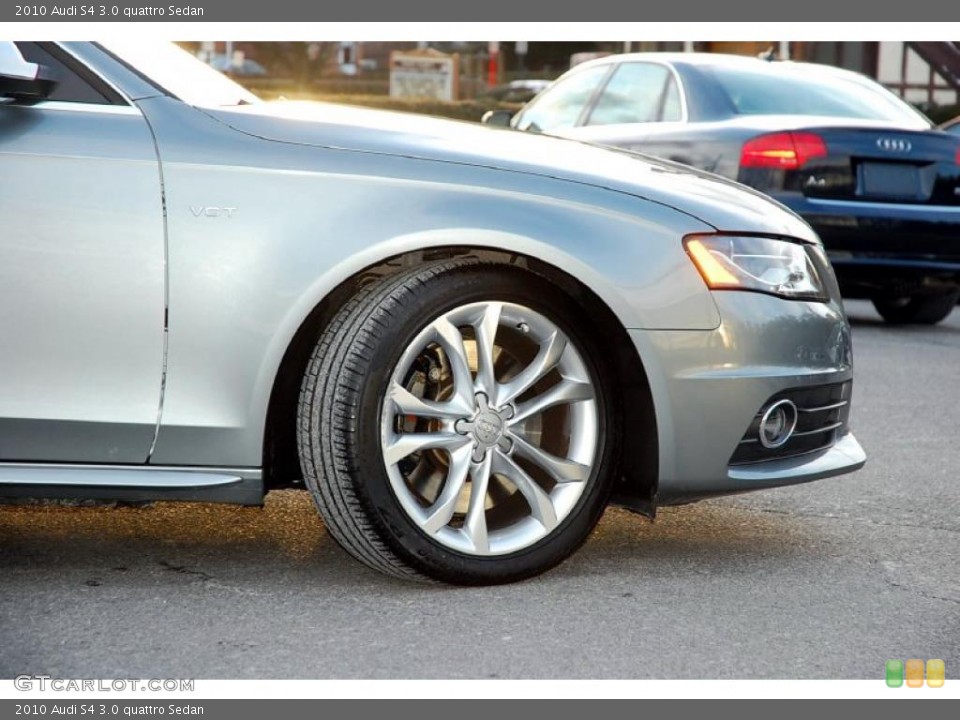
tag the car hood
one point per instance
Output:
(718, 202)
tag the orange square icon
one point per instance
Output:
(936, 672)
(914, 673)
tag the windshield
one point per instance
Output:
(179, 73)
(786, 90)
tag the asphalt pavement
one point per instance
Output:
(826, 580)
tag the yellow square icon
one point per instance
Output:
(914, 673)
(936, 671)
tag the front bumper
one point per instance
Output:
(708, 387)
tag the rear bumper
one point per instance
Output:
(708, 387)
(884, 247)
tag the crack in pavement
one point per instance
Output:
(186, 570)
(209, 581)
(921, 593)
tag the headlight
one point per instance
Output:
(775, 267)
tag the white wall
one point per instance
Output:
(917, 71)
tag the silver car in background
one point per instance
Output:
(465, 341)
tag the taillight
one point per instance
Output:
(782, 150)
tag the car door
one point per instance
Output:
(82, 287)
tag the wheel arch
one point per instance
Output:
(640, 454)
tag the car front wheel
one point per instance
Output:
(458, 423)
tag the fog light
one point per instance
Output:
(777, 424)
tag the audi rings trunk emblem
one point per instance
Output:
(894, 144)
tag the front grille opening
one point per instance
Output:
(822, 415)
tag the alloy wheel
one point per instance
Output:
(489, 428)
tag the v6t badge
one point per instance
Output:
(212, 211)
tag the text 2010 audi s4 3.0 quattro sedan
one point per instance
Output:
(465, 341)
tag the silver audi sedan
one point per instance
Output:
(465, 341)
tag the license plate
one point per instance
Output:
(890, 180)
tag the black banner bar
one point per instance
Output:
(469, 707)
(734, 11)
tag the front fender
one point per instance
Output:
(259, 233)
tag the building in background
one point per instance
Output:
(921, 72)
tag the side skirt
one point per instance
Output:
(241, 486)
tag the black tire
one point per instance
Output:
(339, 421)
(917, 309)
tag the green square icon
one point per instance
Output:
(894, 673)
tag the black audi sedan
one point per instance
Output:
(872, 176)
